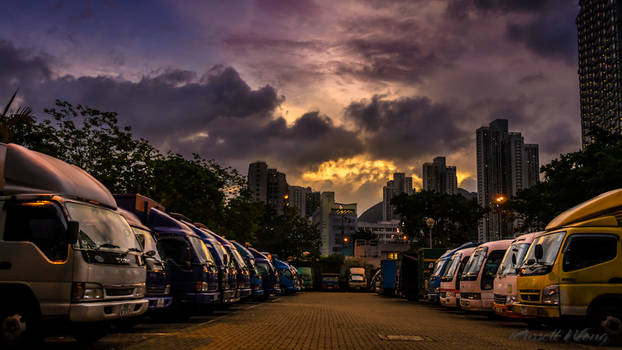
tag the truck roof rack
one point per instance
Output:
(608, 203)
(26, 171)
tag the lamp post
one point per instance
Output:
(499, 200)
(430, 222)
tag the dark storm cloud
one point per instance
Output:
(406, 127)
(312, 139)
(219, 115)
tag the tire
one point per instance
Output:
(20, 325)
(607, 319)
(90, 332)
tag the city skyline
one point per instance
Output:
(337, 95)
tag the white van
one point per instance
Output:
(65, 254)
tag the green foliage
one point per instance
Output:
(571, 179)
(288, 235)
(456, 218)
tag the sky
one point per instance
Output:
(339, 95)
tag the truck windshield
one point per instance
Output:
(147, 241)
(201, 250)
(471, 270)
(452, 265)
(550, 247)
(516, 250)
(237, 257)
(101, 228)
(438, 266)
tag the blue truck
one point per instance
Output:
(193, 271)
(389, 271)
(438, 268)
(256, 277)
(288, 277)
(271, 284)
(242, 272)
(158, 286)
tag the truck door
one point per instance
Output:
(589, 264)
(34, 251)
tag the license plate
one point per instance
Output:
(498, 310)
(125, 310)
(160, 303)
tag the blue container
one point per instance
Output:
(256, 278)
(389, 270)
(271, 284)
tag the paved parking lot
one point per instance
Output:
(316, 320)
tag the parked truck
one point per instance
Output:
(66, 256)
(357, 278)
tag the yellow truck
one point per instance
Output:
(574, 268)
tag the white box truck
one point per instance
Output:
(65, 254)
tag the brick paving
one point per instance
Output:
(318, 320)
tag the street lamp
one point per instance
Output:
(499, 200)
(430, 222)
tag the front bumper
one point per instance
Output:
(450, 301)
(107, 310)
(257, 293)
(476, 305)
(539, 311)
(200, 298)
(228, 296)
(432, 297)
(159, 302)
(508, 310)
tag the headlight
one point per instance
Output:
(202, 287)
(167, 289)
(450, 294)
(140, 290)
(550, 295)
(81, 291)
(511, 299)
(437, 289)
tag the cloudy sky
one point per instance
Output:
(337, 94)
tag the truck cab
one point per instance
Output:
(505, 292)
(356, 278)
(227, 273)
(241, 271)
(329, 281)
(66, 255)
(271, 283)
(574, 269)
(306, 275)
(450, 281)
(432, 266)
(158, 279)
(256, 277)
(287, 276)
(194, 274)
(477, 279)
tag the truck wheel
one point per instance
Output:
(608, 319)
(90, 333)
(19, 325)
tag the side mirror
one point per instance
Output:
(150, 254)
(73, 229)
(514, 259)
(539, 252)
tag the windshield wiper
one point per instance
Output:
(133, 250)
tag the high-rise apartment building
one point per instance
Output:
(600, 72)
(312, 202)
(297, 198)
(505, 165)
(439, 177)
(336, 221)
(400, 184)
(268, 186)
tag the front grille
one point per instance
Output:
(530, 295)
(472, 296)
(155, 289)
(118, 292)
(500, 299)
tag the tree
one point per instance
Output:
(456, 218)
(571, 179)
(288, 235)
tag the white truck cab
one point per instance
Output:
(65, 254)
